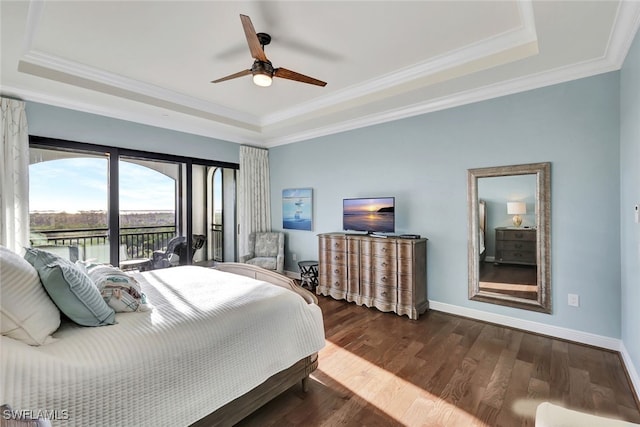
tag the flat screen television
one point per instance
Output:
(373, 215)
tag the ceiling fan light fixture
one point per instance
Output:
(262, 80)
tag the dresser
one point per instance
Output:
(389, 274)
(516, 245)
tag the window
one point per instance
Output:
(106, 204)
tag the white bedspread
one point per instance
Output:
(211, 337)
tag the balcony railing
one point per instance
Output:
(138, 242)
(135, 242)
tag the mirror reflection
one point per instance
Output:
(509, 236)
(508, 229)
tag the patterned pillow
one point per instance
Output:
(119, 290)
(71, 289)
(28, 314)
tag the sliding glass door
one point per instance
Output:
(133, 209)
(148, 207)
(69, 203)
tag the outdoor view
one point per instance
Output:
(69, 200)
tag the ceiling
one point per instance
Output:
(152, 61)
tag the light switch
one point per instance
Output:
(637, 214)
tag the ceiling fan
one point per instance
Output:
(262, 69)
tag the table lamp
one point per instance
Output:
(516, 209)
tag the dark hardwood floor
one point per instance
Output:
(379, 369)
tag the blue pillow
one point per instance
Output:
(70, 289)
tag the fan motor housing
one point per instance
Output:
(262, 67)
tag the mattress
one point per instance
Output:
(210, 337)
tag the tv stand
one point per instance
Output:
(389, 274)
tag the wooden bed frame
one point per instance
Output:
(236, 410)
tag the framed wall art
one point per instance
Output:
(297, 208)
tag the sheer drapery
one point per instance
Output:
(14, 176)
(254, 201)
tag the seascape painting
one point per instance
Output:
(297, 206)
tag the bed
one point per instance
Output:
(216, 345)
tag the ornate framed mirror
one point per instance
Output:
(509, 235)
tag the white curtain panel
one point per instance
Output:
(254, 197)
(14, 176)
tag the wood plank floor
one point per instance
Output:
(379, 369)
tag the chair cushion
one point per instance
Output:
(71, 289)
(27, 312)
(266, 244)
(265, 262)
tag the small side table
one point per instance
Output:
(308, 274)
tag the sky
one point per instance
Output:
(77, 184)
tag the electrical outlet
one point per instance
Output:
(294, 256)
(574, 300)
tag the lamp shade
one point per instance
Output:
(516, 208)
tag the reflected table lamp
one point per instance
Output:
(516, 209)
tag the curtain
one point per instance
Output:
(254, 201)
(14, 176)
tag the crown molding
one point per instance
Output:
(496, 90)
(209, 130)
(494, 45)
(249, 129)
(70, 68)
(623, 32)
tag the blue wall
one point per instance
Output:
(423, 162)
(630, 196)
(72, 125)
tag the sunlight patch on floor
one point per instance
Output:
(399, 399)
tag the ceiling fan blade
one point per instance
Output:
(233, 76)
(252, 39)
(283, 73)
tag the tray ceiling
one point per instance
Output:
(152, 61)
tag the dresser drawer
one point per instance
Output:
(378, 277)
(332, 276)
(521, 234)
(333, 257)
(386, 294)
(405, 297)
(379, 247)
(378, 263)
(524, 257)
(333, 244)
(516, 245)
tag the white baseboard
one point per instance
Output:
(527, 325)
(631, 369)
(552, 331)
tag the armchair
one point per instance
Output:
(176, 252)
(266, 250)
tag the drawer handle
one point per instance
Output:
(337, 257)
(384, 278)
(336, 271)
(519, 235)
(384, 264)
(336, 285)
(384, 249)
(384, 294)
(518, 245)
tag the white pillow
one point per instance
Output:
(27, 312)
(119, 290)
